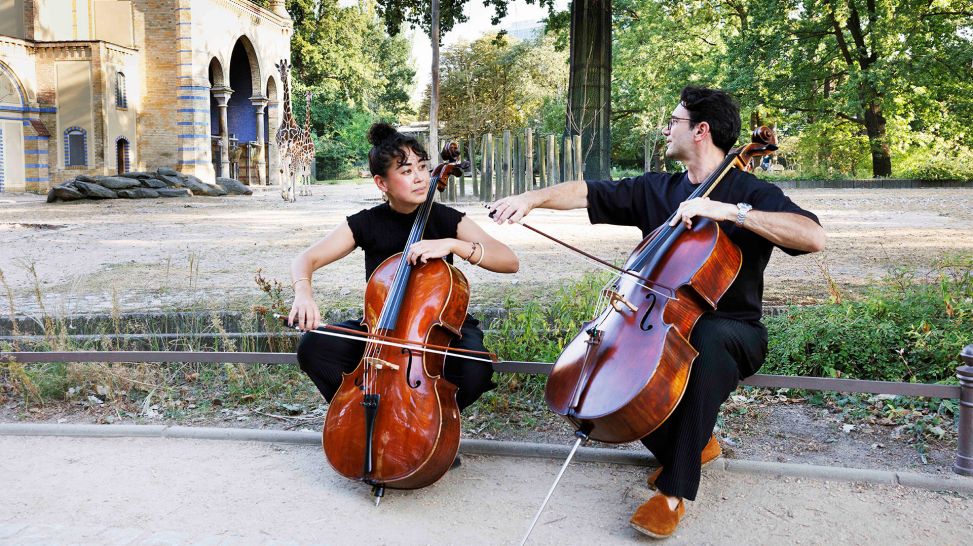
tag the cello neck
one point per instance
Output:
(393, 302)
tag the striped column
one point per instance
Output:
(37, 158)
(192, 104)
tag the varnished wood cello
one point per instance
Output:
(394, 421)
(626, 371)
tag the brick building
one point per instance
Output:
(106, 86)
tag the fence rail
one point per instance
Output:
(963, 392)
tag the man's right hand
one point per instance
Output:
(304, 314)
(511, 209)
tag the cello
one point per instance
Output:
(626, 371)
(394, 421)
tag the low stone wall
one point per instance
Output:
(143, 185)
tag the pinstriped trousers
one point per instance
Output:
(729, 350)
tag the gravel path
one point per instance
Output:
(168, 491)
(179, 253)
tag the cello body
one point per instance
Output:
(394, 421)
(626, 371)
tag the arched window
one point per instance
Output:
(75, 147)
(122, 161)
(121, 97)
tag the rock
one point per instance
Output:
(138, 193)
(199, 187)
(86, 178)
(94, 191)
(174, 192)
(173, 181)
(116, 182)
(64, 192)
(138, 175)
(153, 183)
(166, 171)
(233, 187)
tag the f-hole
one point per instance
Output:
(645, 323)
(408, 370)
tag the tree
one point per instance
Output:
(498, 83)
(858, 61)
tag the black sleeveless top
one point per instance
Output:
(381, 232)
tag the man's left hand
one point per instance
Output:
(703, 206)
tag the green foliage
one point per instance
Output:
(499, 83)
(417, 13)
(357, 73)
(905, 329)
(538, 331)
(846, 78)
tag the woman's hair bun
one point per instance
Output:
(380, 132)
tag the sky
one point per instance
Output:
(479, 24)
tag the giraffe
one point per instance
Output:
(304, 151)
(287, 136)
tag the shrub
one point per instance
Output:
(904, 329)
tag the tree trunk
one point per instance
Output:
(875, 128)
(434, 92)
(589, 88)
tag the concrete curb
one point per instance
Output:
(957, 483)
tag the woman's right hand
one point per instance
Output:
(304, 313)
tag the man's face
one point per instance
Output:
(679, 136)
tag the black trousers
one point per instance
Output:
(324, 358)
(729, 350)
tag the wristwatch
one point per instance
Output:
(742, 210)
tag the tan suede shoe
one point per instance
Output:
(711, 452)
(655, 519)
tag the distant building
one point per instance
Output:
(106, 86)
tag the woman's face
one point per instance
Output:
(407, 184)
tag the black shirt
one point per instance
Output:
(382, 232)
(648, 200)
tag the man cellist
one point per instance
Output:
(731, 341)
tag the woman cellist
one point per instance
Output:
(399, 166)
(730, 341)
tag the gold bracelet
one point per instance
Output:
(482, 254)
(294, 284)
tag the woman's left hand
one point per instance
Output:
(425, 250)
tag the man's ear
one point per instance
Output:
(701, 130)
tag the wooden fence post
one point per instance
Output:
(553, 170)
(542, 162)
(529, 159)
(472, 158)
(462, 173)
(567, 159)
(506, 164)
(578, 159)
(485, 186)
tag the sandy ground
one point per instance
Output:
(176, 253)
(166, 491)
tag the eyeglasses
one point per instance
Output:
(673, 120)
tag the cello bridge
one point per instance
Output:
(378, 363)
(616, 300)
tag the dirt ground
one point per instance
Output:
(145, 255)
(179, 253)
(167, 491)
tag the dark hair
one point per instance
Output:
(718, 109)
(388, 145)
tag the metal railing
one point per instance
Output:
(963, 392)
